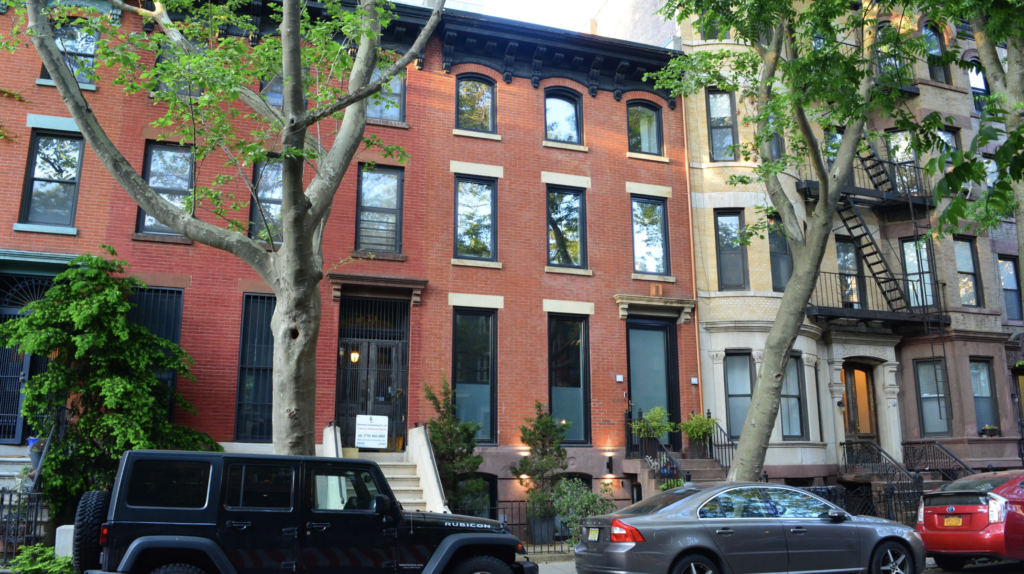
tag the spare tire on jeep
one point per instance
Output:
(91, 514)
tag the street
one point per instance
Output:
(1001, 568)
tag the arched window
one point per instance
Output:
(644, 127)
(936, 71)
(563, 116)
(475, 105)
(979, 85)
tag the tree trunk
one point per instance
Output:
(296, 329)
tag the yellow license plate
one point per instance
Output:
(954, 521)
(592, 536)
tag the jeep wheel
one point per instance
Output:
(91, 514)
(178, 569)
(482, 565)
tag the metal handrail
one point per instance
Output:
(861, 292)
(904, 179)
(933, 455)
(722, 447)
(647, 447)
(868, 454)
(58, 427)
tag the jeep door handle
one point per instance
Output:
(237, 525)
(724, 531)
(321, 526)
(798, 530)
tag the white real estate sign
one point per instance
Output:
(371, 431)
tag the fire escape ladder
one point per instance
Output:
(871, 255)
(876, 170)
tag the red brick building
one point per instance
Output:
(468, 278)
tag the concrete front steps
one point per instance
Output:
(402, 477)
(701, 471)
(13, 458)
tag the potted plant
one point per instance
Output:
(539, 471)
(989, 430)
(699, 430)
(657, 425)
(35, 451)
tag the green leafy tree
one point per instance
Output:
(575, 501)
(201, 65)
(454, 443)
(540, 470)
(101, 370)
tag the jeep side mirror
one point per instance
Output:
(381, 504)
(837, 515)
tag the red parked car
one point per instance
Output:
(978, 516)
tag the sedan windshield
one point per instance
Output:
(977, 483)
(659, 502)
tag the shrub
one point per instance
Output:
(545, 462)
(454, 442)
(41, 559)
(657, 419)
(699, 428)
(575, 501)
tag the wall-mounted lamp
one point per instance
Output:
(610, 465)
(354, 356)
(841, 405)
(524, 476)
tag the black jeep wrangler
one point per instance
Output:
(212, 513)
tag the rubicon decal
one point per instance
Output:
(466, 525)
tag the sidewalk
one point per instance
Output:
(558, 568)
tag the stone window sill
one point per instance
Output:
(646, 157)
(1010, 323)
(51, 229)
(563, 145)
(159, 238)
(360, 254)
(473, 134)
(472, 263)
(569, 271)
(81, 86)
(649, 277)
(975, 310)
(387, 123)
(940, 85)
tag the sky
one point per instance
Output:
(568, 14)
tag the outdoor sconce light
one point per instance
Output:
(354, 356)
(841, 405)
(610, 464)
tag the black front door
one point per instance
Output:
(373, 366)
(258, 526)
(653, 374)
(341, 530)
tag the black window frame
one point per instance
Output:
(398, 211)
(70, 56)
(401, 99)
(743, 251)
(249, 299)
(979, 95)
(1016, 292)
(859, 276)
(801, 398)
(584, 368)
(493, 182)
(979, 290)
(265, 86)
(708, 92)
(939, 363)
(140, 222)
(493, 315)
(713, 31)
(955, 133)
(658, 120)
(151, 306)
(581, 192)
(254, 200)
(182, 92)
(773, 255)
(930, 292)
(663, 202)
(933, 71)
(30, 178)
(725, 376)
(994, 397)
(471, 77)
(574, 98)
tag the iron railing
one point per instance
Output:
(722, 447)
(902, 180)
(929, 455)
(538, 526)
(862, 293)
(22, 521)
(641, 443)
(867, 455)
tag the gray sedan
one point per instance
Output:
(744, 528)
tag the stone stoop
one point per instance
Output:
(402, 476)
(12, 459)
(701, 471)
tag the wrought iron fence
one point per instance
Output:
(641, 443)
(22, 521)
(929, 455)
(538, 526)
(897, 502)
(722, 447)
(862, 293)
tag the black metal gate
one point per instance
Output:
(16, 291)
(373, 366)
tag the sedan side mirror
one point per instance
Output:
(381, 504)
(837, 515)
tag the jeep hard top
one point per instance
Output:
(215, 513)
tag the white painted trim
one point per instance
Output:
(481, 301)
(649, 277)
(477, 169)
(52, 123)
(646, 157)
(568, 146)
(472, 263)
(648, 189)
(570, 307)
(81, 86)
(53, 229)
(569, 270)
(473, 134)
(565, 179)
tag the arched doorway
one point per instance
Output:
(859, 414)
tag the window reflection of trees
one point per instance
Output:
(648, 236)
(564, 229)
(561, 119)
(475, 221)
(474, 105)
(55, 176)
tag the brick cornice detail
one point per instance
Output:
(414, 287)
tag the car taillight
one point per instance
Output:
(920, 512)
(622, 532)
(104, 531)
(996, 509)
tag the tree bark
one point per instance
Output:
(296, 328)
